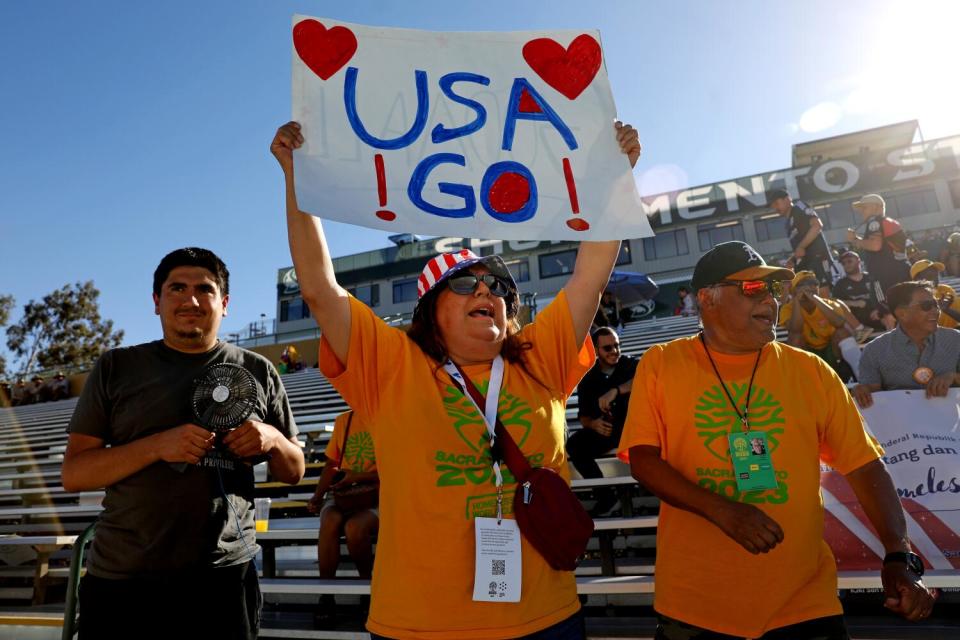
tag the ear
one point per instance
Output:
(156, 305)
(226, 299)
(705, 299)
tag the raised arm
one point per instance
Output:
(795, 325)
(328, 301)
(835, 318)
(595, 260)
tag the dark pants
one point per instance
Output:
(583, 449)
(573, 628)
(828, 628)
(214, 603)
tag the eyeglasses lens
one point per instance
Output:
(468, 283)
(758, 288)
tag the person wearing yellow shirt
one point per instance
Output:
(944, 293)
(351, 461)
(438, 475)
(823, 326)
(728, 428)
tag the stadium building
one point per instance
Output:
(920, 181)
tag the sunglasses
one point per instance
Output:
(925, 305)
(467, 283)
(607, 348)
(755, 288)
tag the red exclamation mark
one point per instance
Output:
(577, 224)
(383, 214)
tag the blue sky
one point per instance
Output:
(129, 129)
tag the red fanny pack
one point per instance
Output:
(547, 512)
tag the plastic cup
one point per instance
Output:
(261, 507)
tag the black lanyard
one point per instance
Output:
(745, 416)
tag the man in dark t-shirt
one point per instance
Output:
(862, 293)
(602, 395)
(884, 242)
(175, 544)
(805, 233)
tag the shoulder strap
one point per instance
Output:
(504, 448)
(346, 432)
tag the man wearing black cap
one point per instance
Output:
(862, 294)
(740, 548)
(805, 232)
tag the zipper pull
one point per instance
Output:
(527, 494)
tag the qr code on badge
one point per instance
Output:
(499, 567)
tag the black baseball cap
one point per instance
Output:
(734, 261)
(776, 194)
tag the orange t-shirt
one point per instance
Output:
(360, 455)
(703, 577)
(435, 472)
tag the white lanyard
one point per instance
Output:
(492, 400)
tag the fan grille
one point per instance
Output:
(224, 396)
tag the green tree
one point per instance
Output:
(64, 329)
(6, 304)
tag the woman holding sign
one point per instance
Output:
(440, 572)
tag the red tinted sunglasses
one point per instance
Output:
(755, 288)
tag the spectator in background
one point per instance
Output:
(350, 461)
(918, 354)
(58, 387)
(822, 325)
(884, 243)
(738, 553)
(945, 295)
(36, 389)
(952, 257)
(862, 294)
(612, 309)
(42, 388)
(805, 232)
(19, 394)
(603, 396)
(289, 360)
(688, 303)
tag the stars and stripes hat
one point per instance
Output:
(445, 265)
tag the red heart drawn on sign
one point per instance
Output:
(323, 51)
(569, 70)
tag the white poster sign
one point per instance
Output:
(921, 440)
(487, 135)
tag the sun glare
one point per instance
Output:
(910, 66)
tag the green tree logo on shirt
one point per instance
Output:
(470, 425)
(714, 416)
(358, 454)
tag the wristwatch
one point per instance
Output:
(912, 560)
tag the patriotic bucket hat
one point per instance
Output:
(445, 265)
